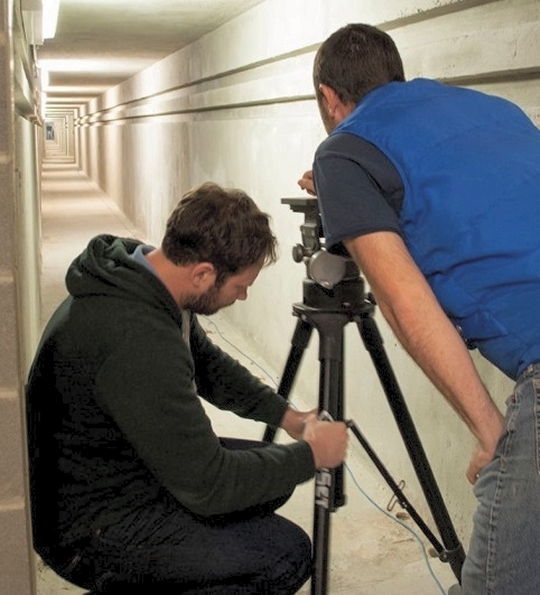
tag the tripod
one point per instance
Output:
(330, 301)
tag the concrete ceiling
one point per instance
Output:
(100, 43)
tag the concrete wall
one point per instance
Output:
(237, 107)
(19, 291)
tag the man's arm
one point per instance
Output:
(227, 384)
(410, 307)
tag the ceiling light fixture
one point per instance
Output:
(50, 18)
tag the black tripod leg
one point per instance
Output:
(371, 337)
(299, 342)
(328, 483)
(331, 401)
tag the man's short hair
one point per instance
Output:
(356, 59)
(222, 226)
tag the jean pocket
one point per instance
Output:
(512, 409)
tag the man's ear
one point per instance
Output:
(203, 275)
(330, 98)
(337, 110)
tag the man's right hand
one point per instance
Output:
(328, 441)
(306, 182)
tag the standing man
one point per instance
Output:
(130, 486)
(435, 193)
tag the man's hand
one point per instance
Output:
(328, 441)
(482, 455)
(294, 422)
(306, 183)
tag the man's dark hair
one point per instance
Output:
(356, 59)
(222, 226)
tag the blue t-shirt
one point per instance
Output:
(359, 189)
(139, 255)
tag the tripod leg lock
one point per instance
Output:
(325, 416)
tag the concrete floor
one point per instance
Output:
(372, 552)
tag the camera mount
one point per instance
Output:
(333, 296)
(323, 267)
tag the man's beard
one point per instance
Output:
(208, 303)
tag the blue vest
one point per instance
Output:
(470, 166)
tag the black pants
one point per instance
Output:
(164, 548)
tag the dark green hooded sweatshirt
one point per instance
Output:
(113, 416)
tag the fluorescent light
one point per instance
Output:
(44, 77)
(50, 18)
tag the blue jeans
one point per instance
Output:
(164, 548)
(504, 553)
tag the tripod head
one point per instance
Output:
(333, 280)
(323, 267)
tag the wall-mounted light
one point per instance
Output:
(50, 17)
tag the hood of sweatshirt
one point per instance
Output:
(106, 268)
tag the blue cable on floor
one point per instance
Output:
(251, 361)
(360, 489)
(399, 522)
